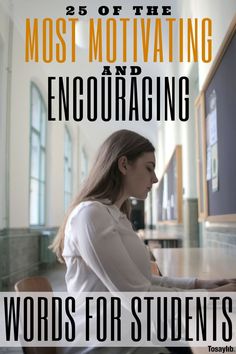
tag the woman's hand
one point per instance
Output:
(213, 284)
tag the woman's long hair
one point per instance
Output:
(105, 179)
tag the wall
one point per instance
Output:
(4, 128)
(171, 134)
(24, 250)
(222, 14)
(221, 235)
(22, 76)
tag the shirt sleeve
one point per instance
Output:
(96, 237)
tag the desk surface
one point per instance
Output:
(156, 235)
(205, 263)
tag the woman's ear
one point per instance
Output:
(122, 164)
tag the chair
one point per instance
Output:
(35, 284)
(38, 284)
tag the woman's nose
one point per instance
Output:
(155, 179)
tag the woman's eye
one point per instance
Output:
(149, 169)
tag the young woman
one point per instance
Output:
(97, 241)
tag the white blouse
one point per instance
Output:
(103, 253)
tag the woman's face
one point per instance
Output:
(139, 176)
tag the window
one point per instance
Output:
(37, 157)
(67, 169)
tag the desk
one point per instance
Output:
(164, 240)
(205, 263)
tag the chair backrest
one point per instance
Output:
(37, 284)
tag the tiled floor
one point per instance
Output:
(56, 276)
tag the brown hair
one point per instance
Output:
(105, 179)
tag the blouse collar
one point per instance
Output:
(114, 210)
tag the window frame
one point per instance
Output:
(41, 179)
(68, 163)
